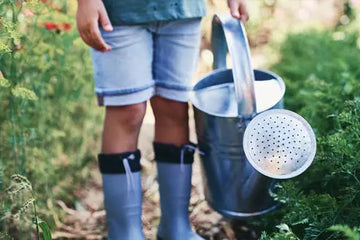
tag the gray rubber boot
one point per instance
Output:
(174, 165)
(122, 195)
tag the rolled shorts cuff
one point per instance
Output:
(112, 98)
(173, 92)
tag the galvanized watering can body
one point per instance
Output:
(231, 185)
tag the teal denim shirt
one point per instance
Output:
(143, 11)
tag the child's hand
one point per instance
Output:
(89, 13)
(238, 9)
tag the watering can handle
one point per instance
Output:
(228, 33)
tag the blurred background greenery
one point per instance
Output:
(50, 125)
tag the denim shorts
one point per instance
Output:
(154, 59)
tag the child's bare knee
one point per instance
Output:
(130, 116)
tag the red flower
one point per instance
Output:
(65, 27)
(51, 26)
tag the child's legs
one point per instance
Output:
(123, 83)
(176, 49)
(121, 128)
(171, 121)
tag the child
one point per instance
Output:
(145, 50)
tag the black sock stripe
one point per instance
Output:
(112, 163)
(172, 154)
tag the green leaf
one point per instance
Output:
(24, 93)
(45, 230)
(4, 47)
(350, 233)
(4, 82)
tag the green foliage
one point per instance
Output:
(323, 85)
(47, 130)
(320, 73)
(23, 93)
(285, 233)
(45, 230)
(350, 233)
(4, 82)
(22, 197)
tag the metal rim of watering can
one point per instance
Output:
(288, 121)
(217, 71)
(225, 26)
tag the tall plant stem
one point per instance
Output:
(36, 217)
(22, 140)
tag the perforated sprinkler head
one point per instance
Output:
(279, 144)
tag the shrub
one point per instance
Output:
(323, 84)
(47, 132)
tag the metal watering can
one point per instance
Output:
(226, 103)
